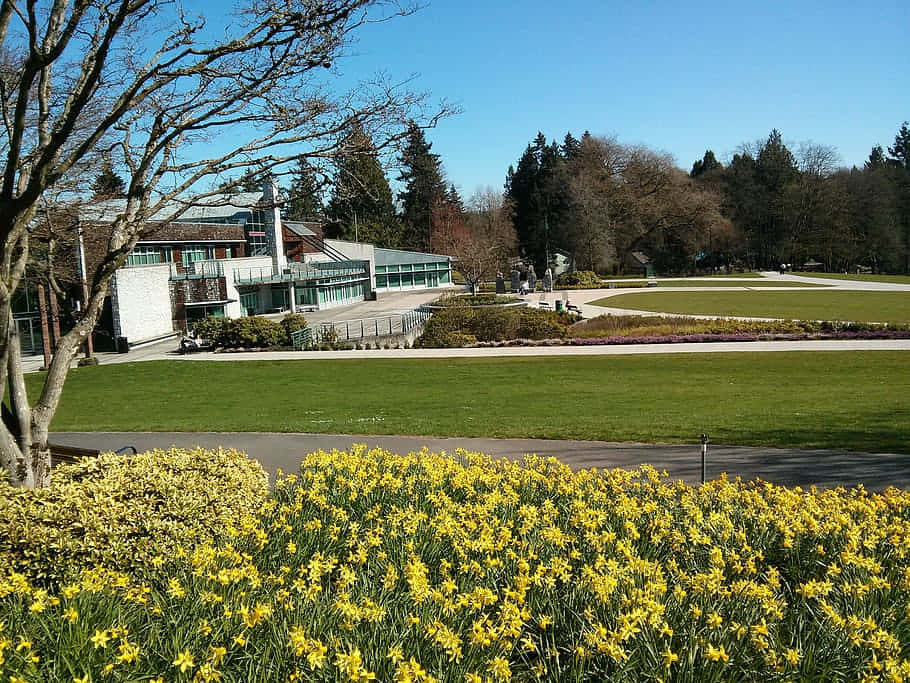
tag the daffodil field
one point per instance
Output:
(366, 565)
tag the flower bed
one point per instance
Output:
(424, 567)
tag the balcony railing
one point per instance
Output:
(301, 271)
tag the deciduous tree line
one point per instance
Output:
(601, 200)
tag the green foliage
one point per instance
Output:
(463, 300)
(582, 278)
(361, 206)
(291, 323)
(211, 328)
(123, 511)
(462, 326)
(252, 331)
(424, 188)
(304, 200)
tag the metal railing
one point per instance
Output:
(360, 328)
(198, 270)
(301, 271)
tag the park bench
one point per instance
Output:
(61, 454)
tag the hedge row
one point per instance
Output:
(456, 327)
(251, 331)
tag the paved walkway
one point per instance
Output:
(788, 467)
(404, 301)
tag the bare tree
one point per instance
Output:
(484, 241)
(176, 104)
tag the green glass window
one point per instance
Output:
(420, 279)
(143, 255)
(407, 280)
(380, 269)
(394, 281)
(406, 267)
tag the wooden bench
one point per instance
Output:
(70, 454)
(61, 454)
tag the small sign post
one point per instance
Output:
(704, 453)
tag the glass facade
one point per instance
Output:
(147, 254)
(197, 252)
(413, 275)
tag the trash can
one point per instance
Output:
(123, 345)
(559, 304)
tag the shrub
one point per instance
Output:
(463, 326)
(252, 331)
(211, 328)
(122, 511)
(579, 278)
(291, 323)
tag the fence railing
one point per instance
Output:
(198, 270)
(359, 328)
(300, 271)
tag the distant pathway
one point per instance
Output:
(788, 467)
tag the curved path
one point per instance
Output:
(788, 467)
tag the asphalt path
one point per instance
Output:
(789, 467)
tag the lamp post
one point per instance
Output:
(704, 453)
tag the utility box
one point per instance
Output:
(123, 345)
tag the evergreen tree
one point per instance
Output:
(361, 206)
(250, 181)
(454, 199)
(705, 164)
(571, 147)
(900, 152)
(424, 188)
(876, 158)
(107, 184)
(304, 199)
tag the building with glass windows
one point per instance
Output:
(235, 256)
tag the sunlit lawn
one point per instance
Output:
(896, 279)
(852, 400)
(892, 307)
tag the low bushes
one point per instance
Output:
(466, 301)
(124, 511)
(579, 278)
(372, 565)
(249, 332)
(607, 326)
(463, 326)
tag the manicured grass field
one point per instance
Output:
(851, 400)
(758, 282)
(891, 307)
(897, 279)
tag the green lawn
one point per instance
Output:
(896, 279)
(892, 307)
(697, 282)
(852, 400)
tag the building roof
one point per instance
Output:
(392, 257)
(202, 210)
(304, 228)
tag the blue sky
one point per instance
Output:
(679, 77)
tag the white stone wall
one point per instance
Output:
(358, 251)
(141, 302)
(244, 265)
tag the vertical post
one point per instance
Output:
(55, 314)
(361, 328)
(704, 454)
(45, 331)
(89, 344)
(347, 330)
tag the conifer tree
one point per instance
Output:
(107, 184)
(361, 206)
(424, 188)
(304, 198)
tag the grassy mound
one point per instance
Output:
(424, 567)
